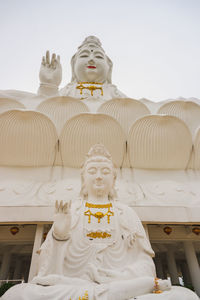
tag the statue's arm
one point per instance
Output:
(50, 75)
(62, 221)
(136, 232)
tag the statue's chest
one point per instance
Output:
(99, 223)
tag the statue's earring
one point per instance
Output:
(112, 193)
(84, 192)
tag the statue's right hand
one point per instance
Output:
(50, 70)
(62, 220)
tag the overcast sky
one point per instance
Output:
(154, 44)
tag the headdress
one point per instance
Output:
(91, 40)
(99, 150)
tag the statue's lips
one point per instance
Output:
(91, 67)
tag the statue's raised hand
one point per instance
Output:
(50, 70)
(62, 220)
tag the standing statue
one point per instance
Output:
(97, 248)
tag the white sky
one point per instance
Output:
(154, 44)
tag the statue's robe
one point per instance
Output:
(128, 253)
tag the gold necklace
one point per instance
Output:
(91, 87)
(99, 215)
(91, 205)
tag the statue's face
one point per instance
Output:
(91, 65)
(99, 178)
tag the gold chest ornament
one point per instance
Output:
(99, 214)
(91, 86)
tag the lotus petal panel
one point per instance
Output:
(159, 142)
(27, 138)
(83, 131)
(187, 111)
(61, 109)
(196, 156)
(125, 110)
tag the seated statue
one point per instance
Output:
(97, 248)
(91, 76)
(91, 73)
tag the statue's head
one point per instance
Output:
(90, 63)
(98, 173)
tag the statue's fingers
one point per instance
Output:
(65, 208)
(70, 204)
(61, 206)
(43, 61)
(56, 207)
(47, 57)
(53, 60)
(58, 59)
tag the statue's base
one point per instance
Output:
(63, 292)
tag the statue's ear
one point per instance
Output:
(72, 67)
(83, 192)
(70, 204)
(109, 77)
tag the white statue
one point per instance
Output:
(91, 77)
(97, 248)
(91, 74)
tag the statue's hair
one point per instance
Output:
(98, 153)
(91, 40)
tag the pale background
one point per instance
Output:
(154, 44)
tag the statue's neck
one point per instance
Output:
(97, 199)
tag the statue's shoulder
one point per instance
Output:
(76, 204)
(68, 90)
(125, 208)
(115, 92)
(128, 217)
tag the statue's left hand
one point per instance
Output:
(62, 220)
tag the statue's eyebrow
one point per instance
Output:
(84, 51)
(92, 168)
(98, 52)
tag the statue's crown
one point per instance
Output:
(91, 40)
(99, 150)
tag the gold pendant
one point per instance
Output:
(91, 87)
(99, 215)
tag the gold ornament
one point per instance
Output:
(156, 287)
(91, 205)
(89, 86)
(99, 235)
(85, 297)
(99, 215)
